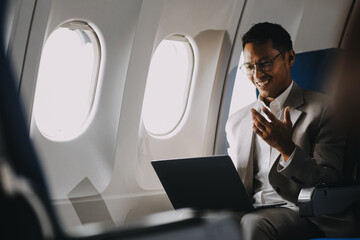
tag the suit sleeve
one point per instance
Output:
(231, 140)
(324, 164)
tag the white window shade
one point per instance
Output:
(168, 84)
(67, 81)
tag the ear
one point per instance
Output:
(291, 58)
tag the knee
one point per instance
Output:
(253, 221)
(253, 226)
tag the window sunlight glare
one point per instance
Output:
(244, 92)
(65, 87)
(167, 86)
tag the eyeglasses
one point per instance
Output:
(264, 66)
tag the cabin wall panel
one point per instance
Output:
(92, 154)
(210, 26)
(18, 24)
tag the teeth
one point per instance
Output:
(262, 83)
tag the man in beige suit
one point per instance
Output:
(282, 142)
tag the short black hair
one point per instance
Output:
(265, 31)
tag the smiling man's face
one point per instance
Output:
(273, 82)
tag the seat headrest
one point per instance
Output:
(311, 70)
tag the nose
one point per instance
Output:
(258, 73)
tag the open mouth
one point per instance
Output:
(263, 84)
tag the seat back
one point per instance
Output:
(20, 170)
(312, 70)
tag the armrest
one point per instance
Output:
(321, 200)
(176, 225)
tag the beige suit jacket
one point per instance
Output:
(319, 153)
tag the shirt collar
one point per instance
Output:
(277, 104)
(280, 99)
(283, 96)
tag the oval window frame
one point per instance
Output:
(189, 45)
(92, 36)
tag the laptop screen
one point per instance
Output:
(203, 183)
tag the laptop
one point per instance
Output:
(205, 183)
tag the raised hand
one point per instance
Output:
(276, 133)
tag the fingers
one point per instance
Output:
(258, 118)
(269, 114)
(275, 132)
(262, 124)
(259, 125)
(257, 130)
(287, 116)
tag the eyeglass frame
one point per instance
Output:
(270, 61)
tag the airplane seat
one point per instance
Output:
(312, 70)
(23, 192)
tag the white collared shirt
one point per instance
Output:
(264, 193)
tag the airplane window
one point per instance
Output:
(168, 84)
(244, 92)
(67, 81)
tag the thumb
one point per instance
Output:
(287, 118)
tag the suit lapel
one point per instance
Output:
(294, 101)
(245, 162)
(247, 136)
